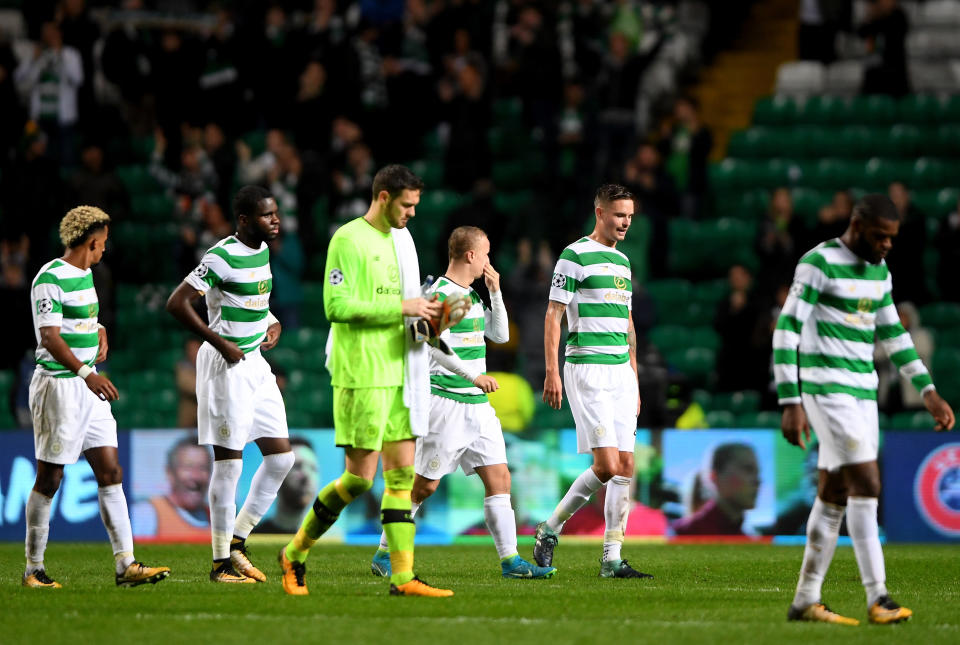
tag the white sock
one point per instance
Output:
(414, 507)
(579, 494)
(502, 523)
(823, 527)
(263, 490)
(616, 509)
(38, 529)
(116, 519)
(223, 504)
(865, 535)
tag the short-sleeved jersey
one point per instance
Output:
(466, 339)
(63, 296)
(362, 300)
(236, 280)
(838, 306)
(593, 281)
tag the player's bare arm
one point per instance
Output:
(632, 349)
(103, 347)
(940, 410)
(180, 306)
(422, 308)
(794, 425)
(552, 386)
(53, 342)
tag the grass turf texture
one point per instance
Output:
(701, 594)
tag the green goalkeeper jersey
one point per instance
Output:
(362, 300)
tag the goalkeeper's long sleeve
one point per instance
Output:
(342, 301)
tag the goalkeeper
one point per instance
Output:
(464, 429)
(369, 262)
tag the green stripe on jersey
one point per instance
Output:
(886, 332)
(54, 366)
(469, 325)
(595, 257)
(244, 341)
(788, 390)
(598, 359)
(861, 271)
(81, 340)
(789, 323)
(471, 353)
(596, 338)
(605, 282)
(603, 310)
(462, 398)
(904, 356)
(79, 311)
(825, 360)
(837, 388)
(842, 332)
(260, 288)
(65, 284)
(254, 261)
(239, 314)
(785, 356)
(850, 305)
(450, 380)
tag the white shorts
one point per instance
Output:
(237, 403)
(603, 399)
(467, 435)
(68, 419)
(847, 429)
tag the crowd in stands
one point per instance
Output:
(512, 110)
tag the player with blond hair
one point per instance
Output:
(70, 401)
(464, 429)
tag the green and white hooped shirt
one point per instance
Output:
(236, 280)
(593, 281)
(63, 296)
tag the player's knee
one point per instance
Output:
(353, 485)
(423, 488)
(604, 471)
(48, 484)
(109, 476)
(399, 478)
(279, 464)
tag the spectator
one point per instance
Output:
(224, 161)
(832, 220)
(313, 110)
(885, 33)
(219, 84)
(197, 177)
(778, 238)
(94, 185)
(51, 79)
(286, 262)
(948, 243)
(11, 125)
(905, 259)
(186, 377)
(527, 283)
(81, 32)
(616, 92)
(468, 113)
(686, 146)
(820, 22)
(353, 182)
(735, 320)
(653, 186)
(895, 391)
(256, 170)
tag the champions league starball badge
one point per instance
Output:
(937, 489)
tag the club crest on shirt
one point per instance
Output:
(559, 280)
(336, 276)
(44, 305)
(224, 431)
(262, 287)
(619, 283)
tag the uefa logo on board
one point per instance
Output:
(937, 489)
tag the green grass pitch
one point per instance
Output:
(726, 594)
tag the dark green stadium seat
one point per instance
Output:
(669, 291)
(669, 338)
(773, 174)
(947, 338)
(546, 417)
(162, 400)
(152, 207)
(695, 362)
(517, 174)
(299, 419)
(508, 111)
(765, 419)
(928, 173)
(703, 336)
(917, 420)
(873, 109)
(903, 140)
(312, 292)
(736, 402)
(437, 204)
(710, 292)
(513, 204)
(774, 110)
(256, 140)
(834, 174)
(824, 110)
(878, 173)
(7, 380)
(703, 398)
(807, 202)
(944, 141)
(950, 110)
(940, 315)
(137, 179)
(919, 109)
(721, 419)
(430, 171)
(433, 145)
